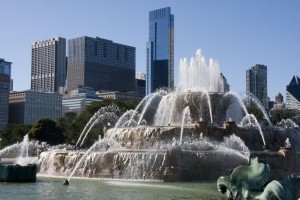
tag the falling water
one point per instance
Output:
(172, 105)
(260, 106)
(199, 75)
(251, 116)
(185, 117)
(139, 106)
(86, 126)
(239, 99)
(106, 114)
(95, 122)
(162, 114)
(122, 121)
(23, 158)
(83, 157)
(209, 105)
(24, 147)
(146, 107)
(106, 117)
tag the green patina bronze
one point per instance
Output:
(250, 182)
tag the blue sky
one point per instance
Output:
(238, 33)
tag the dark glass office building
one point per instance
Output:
(100, 64)
(160, 50)
(5, 74)
(257, 83)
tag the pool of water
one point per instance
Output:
(53, 188)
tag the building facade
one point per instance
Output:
(27, 107)
(160, 50)
(100, 64)
(120, 95)
(48, 64)
(278, 103)
(141, 83)
(4, 92)
(76, 100)
(257, 84)
(5, 68)
(224, 86)
(293, 94)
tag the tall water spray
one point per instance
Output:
(108, 114)
(209, 105)
(185, 119)
(197, 75)
(260, 106)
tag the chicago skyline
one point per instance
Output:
(232, 33)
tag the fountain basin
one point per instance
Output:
(18, 173)
(170, 165)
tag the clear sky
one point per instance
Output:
(238, 33)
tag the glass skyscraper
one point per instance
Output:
(160, 50)
(5, 74)
(100, 64)
(257, 83)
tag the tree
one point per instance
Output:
(14, 133)
(76, 127)
(64, 122)
(46, 130)
(278, 115)
(258, 114)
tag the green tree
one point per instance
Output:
(46, 130)
(258, 114)
(278, 115)
(14, 133)
(64, 122)
(76, 127)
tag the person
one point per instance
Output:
(66, 182)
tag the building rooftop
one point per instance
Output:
(294, 87)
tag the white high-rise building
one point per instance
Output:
(293, 94)
(48, 64)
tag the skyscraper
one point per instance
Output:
(100, 64)
(293, 94)
(5, 68)
(5, 74)
(257, 83)
(160, 50)
(48, 64)
(224, 86)
(278, 103)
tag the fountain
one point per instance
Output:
(24, 168)
(180, 135)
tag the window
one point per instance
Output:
(95, 48)
(117, 53)
(104, 50)
(126, 54)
